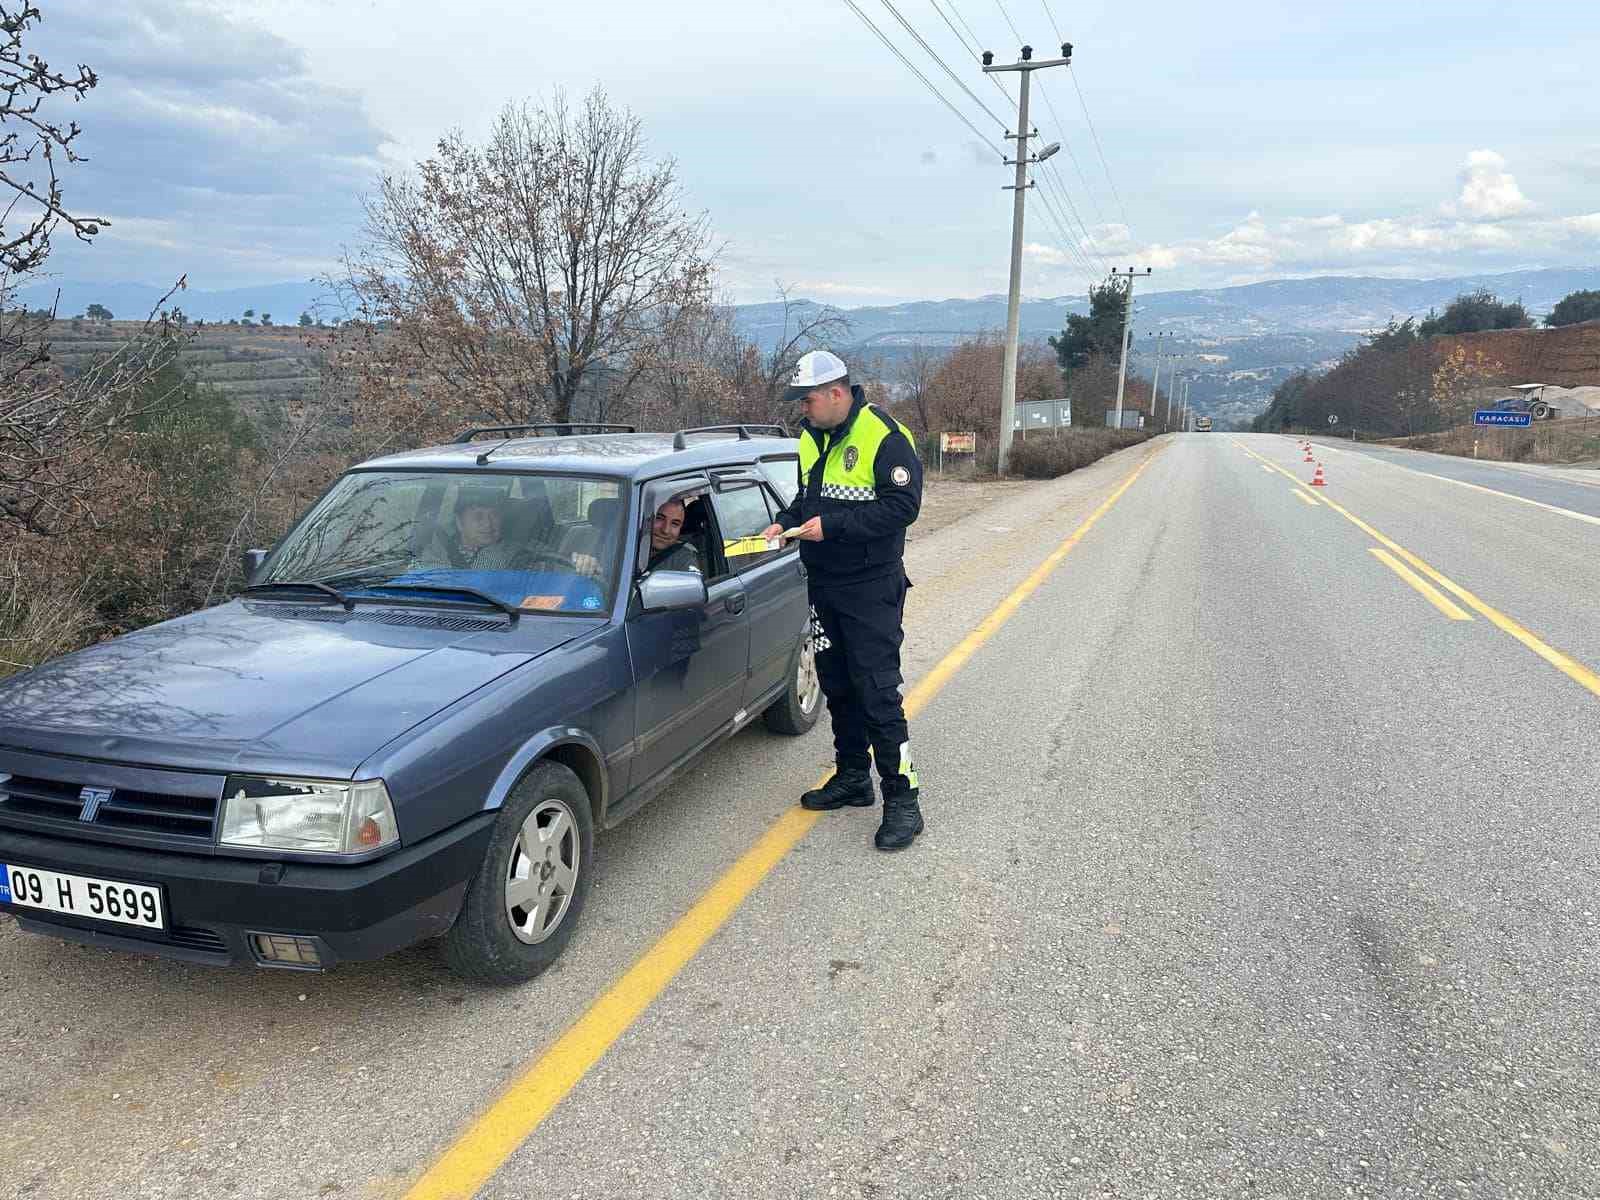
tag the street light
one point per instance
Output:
(1052, 148)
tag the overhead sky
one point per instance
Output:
(233, 139)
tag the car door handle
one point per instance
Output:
(734, 603)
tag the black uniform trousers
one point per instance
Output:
(858, 632)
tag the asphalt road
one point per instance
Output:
(1572, 488)
(1249, 871)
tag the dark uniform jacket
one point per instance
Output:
(865, 481)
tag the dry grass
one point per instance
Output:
(1574, 440)
(43, 612)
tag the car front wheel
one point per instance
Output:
(523, 904)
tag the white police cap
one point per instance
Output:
(814, 369)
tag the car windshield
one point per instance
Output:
(535, 542)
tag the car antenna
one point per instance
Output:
(484, 457)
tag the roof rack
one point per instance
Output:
(680, 440)
(559, 427)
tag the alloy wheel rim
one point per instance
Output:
(807, 683)
(542, 876)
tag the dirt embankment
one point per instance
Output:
(1568, 357)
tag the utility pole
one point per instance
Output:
(1127, 319)
(1025, 66)
(1155, 387)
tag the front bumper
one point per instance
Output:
(352, 913)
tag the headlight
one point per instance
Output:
(307, 814)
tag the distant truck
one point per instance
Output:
(1202, 424)
(1529, 399)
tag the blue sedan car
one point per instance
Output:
(457, 665)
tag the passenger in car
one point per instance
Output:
(473, 537)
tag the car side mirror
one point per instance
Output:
(668, 591)
(251, 561)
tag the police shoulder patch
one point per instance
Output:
(900, 476)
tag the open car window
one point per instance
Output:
(743, 513)
(536, 542)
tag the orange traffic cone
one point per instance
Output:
(1317, 480)
(1308, 457)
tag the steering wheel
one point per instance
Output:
(558, 561)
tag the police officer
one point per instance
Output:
(860, 486)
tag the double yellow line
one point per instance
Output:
(494, 1136)
(1570, 667)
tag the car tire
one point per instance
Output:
(1540, 411)
(797, 710)
(526, 899)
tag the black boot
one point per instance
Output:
(847, 788)
(902, 820)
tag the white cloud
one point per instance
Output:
(1489, 192)
(210, 144)
(1490, 225)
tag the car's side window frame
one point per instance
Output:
(772, 466)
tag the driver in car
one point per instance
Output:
(474, 538)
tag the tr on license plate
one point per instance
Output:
(81, 896)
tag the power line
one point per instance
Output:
(1071, 154)
(1001, 6)
(1098, 148)
(1067, 239)
(926, 82)
(1060, 124)
(1052, 17)
(960, 37)
(943, 66)
(975, 38)
(1053, 182)
(971, 48)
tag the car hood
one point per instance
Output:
(289, 687)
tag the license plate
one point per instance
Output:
(81, 896)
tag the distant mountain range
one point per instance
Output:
(1237, 342)
(1330, 303)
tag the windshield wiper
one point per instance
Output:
(449, 588)
(304, 585)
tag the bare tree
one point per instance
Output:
(505, 273)
(914, 379)
(805, 327)
(52, 429)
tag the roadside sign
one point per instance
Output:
(1490, 416)
(958, 443)
(1333, 418)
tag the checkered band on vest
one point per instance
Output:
(839, 491)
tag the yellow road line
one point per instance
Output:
(1267, 469)
(1570, 667)
(1431, 593)
(495, 1135)
(1311, 500)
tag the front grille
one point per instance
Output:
(195, 938)
(136, 811)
